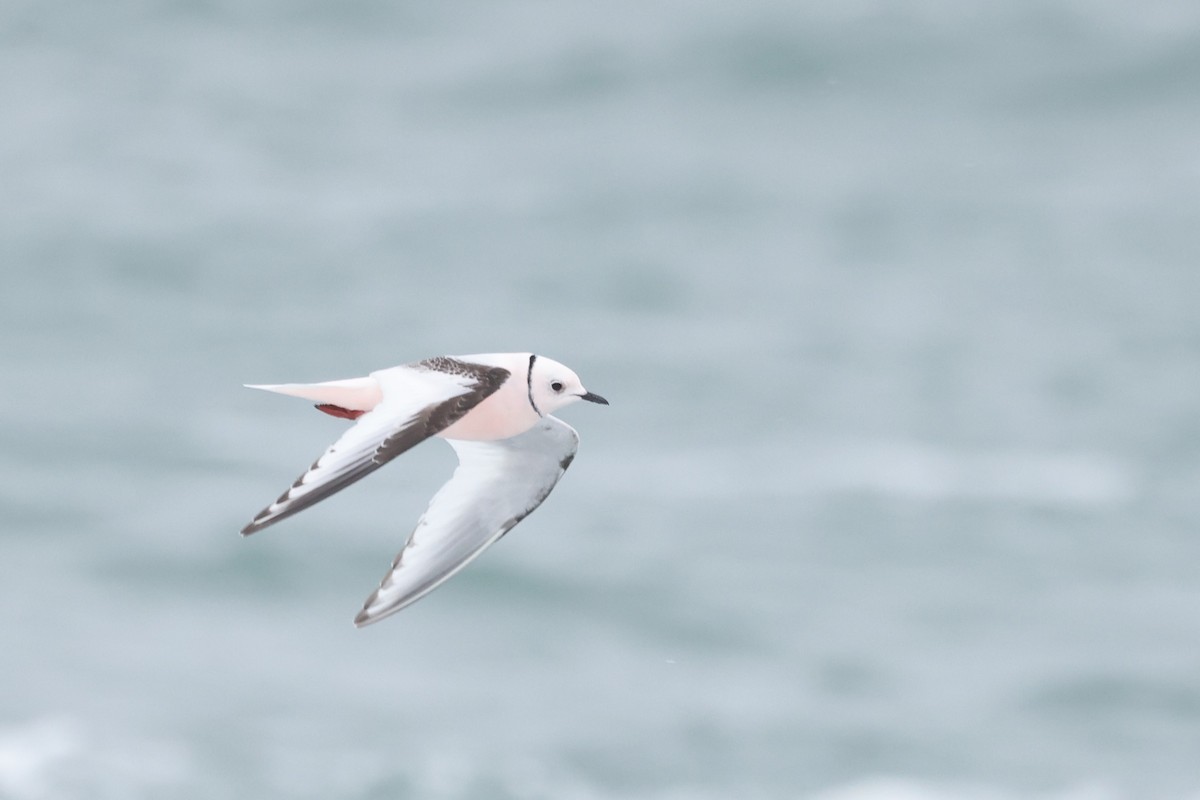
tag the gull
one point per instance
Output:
(493, 409)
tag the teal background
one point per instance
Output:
(895, 304)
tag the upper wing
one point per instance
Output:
(497, 484)
(418, 401)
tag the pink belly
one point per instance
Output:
(503, 414)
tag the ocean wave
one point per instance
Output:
(30, 754)
(909, 471)
(60, 758)
(905, 789)
(926, 472)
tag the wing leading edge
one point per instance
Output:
(496, 485)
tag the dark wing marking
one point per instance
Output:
(419, 400)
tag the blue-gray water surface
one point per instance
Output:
(896, 305)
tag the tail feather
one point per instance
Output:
(353, 394)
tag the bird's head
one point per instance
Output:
(553, 386)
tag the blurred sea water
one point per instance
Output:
(895, 303)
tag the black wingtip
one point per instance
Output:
(255, 525)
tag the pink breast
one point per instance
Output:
(501, 415)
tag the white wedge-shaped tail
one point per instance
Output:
(355, 394)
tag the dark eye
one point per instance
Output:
(556, 386)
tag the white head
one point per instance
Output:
(552, 386)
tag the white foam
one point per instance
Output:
(59, 757)
(885, 788)
(30, 754)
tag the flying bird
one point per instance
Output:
(493, 409)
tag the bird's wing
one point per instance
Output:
(418, 400)
(496, 485)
